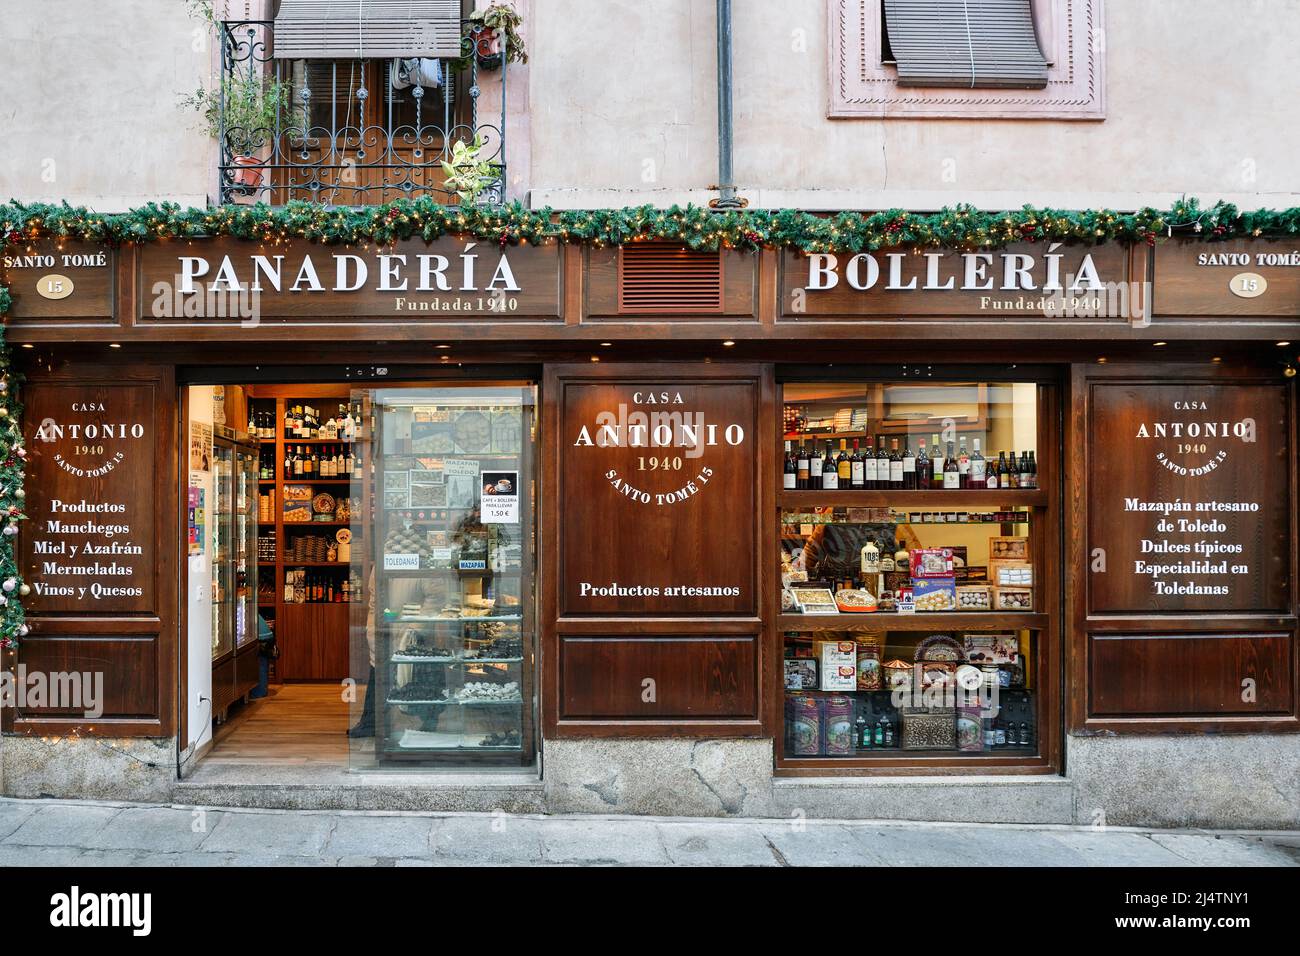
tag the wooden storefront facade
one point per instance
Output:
(1165, 415)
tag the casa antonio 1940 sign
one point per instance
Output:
(658, 490)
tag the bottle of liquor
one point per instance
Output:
(298, 464)
(869, 467)
(880, 732)
(789, 470)
(936, 463)
(801, 468)
(857, 470)
(1004, 473)
(288, 462)
(992, 478)
(815, 467)
(862, 732)
(895, 466)
(883, 465)
(909, 466)
(844, 467)
(923, 466)
(977, 467)
(889, 731)
(1033, 470)
(830, 470)
(963, 464)
(1026, 474)
(951, 471)
(1013, 470)
(349, 426)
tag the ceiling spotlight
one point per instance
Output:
(728, 343)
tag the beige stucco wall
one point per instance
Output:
(618, 106)
(1200, 99)
(90, 111)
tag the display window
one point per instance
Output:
(916, 619)
(448, 634)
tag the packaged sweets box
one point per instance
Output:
(838, 662)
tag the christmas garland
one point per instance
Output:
(958, 227)
(12, 453)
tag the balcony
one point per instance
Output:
(357, 132)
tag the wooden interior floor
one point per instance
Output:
(296, 725)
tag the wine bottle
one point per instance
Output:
(963, 464)
(815, 468)
(909, 467)
(895, 466)
(936, 463)
(923, 466)
(844, 467)
(857, 477)
(977, 467)
(884, 465)
(830, 471)
(801, 468)
(789, 470)
(951, 471)
(869, 467)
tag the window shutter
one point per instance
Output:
(965, 43)
(352, 29)
(665, 278)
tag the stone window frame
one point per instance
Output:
(862, 86)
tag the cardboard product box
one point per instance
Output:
(932, 562)
(801, 674)
(934, 594)
(837, 665)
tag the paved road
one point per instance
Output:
(55, 833)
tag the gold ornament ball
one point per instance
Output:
(4, 412)
(24, 590)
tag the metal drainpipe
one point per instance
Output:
(727, 198)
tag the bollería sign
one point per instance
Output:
(1025, 280)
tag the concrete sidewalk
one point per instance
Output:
(56, 833)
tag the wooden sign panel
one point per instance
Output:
(657, 496)
(1188, 490)
(51, 280)
(1048, 281)
(92, 499)
(447, 280)
(1225, 279)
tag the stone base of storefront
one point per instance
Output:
(88, 768)
(944, 799)
(1230, 782)
(316, 788)
(661, 777)
(1246, 782)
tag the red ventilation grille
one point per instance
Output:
(665, 278)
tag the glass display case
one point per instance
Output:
(913, 523)
(450, 498)
(233, 522)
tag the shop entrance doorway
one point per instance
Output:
(357, 579)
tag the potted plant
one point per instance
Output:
(483, 40)
(467, 173)
(247, 111)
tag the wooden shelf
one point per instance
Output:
(314, 441)
(934, 621)
(315, 564)
(304, 480)
(950, 500)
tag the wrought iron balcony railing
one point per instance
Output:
(351, 132)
